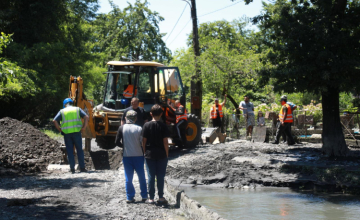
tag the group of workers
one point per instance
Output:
(148, 141)
(285, 117)
(141, 140)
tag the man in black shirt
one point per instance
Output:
(156, 148)
(141, 115)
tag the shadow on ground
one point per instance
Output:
(48, 207)
(40, 184)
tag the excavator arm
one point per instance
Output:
(77, 95)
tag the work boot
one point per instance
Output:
(72, 171)
(83, 170)
(130, 200)
(275, 142)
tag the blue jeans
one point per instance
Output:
(137, 164)
(156, 168)
(71, 140)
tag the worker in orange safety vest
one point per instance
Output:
(128, 92)
(216, 113)
(181, 122)
(285, 118)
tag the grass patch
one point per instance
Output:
(52, 134)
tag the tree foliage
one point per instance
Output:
(230, 57)
(14, 79)
(55, 39)
(132, 33)
(50, 37)
(229, 60)
(315, 47)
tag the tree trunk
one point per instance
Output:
(334, 144)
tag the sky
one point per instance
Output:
(177, 17)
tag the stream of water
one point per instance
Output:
(275, 203)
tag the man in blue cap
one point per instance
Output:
(68, 122)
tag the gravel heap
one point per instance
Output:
(25, 149)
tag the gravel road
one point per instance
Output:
(92, 195)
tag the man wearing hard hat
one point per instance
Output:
(68, 122)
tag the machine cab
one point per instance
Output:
(150, 82)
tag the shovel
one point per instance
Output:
(350, 133)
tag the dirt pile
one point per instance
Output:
(242, 164)
(25, 149)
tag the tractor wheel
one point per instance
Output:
(105, 142)
(193, 131)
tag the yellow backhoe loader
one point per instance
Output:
(152, 83)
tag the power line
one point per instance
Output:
(220, 9)
(200, 16)
(176, 23)
(180, 32)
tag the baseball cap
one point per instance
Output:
(283, 97)
(216, 99)
(131, 116)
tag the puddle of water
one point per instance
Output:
(275, 203)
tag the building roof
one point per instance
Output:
(134, 63)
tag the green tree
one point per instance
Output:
(14, 79)
(230, 57)
(50, 37)
(315, 47)
(132, 33)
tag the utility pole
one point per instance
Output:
(196, 82)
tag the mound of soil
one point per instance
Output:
(242, 164)
(25, 149)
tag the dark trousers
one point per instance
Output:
(283, 135)
(181, 129)
(286, 128)
(71, 140)
(217, 122)
(156, 168)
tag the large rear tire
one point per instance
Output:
(193, 131)
(105, 142)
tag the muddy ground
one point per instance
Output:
(97, 194)
(92, 195)
(28, 191)
(243, 164)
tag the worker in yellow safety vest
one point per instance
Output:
(181, 122)
(129, 91)
(68, 122)
(285, 118)
(216, 113)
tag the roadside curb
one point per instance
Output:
(193, 209)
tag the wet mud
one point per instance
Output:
(29, 191)
(244, 164)
(92, 195)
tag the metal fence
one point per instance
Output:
(307, 124)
